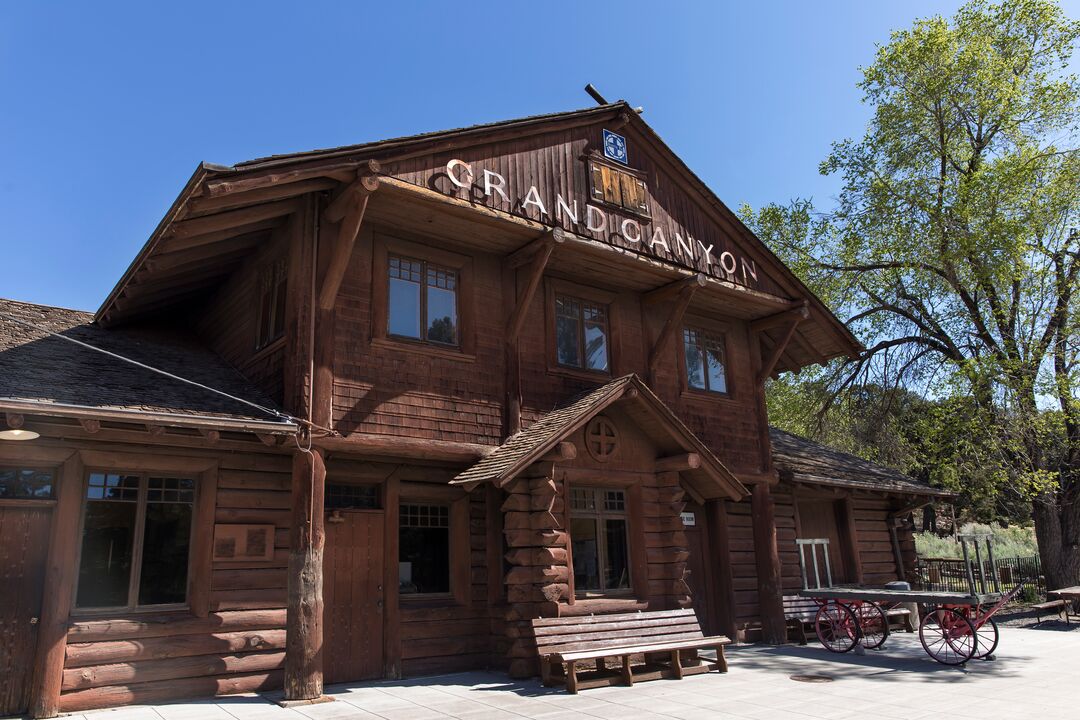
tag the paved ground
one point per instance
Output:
(1036, 675)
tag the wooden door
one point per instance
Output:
(353, 597)
(24, 541)
(819, 519)
(698, 564)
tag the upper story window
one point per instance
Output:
(136, 536)
(271, 323)
(581, 334)
(619, 188)
(706, 361)
(599, 543)
(423, 301)
(26, 484)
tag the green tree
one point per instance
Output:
(953, 247)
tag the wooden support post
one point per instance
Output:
(686, 290)
(391, 600)
(304, 623)
(767, 557)
(348, 230)
(538, 251)
(59, 584)
(791, 318)
(852, 537)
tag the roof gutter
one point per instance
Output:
(78, 412)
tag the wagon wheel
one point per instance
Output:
(947, 636)
(987, 637)
(873, 625)
(836, 626)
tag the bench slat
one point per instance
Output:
(621, 642)
(607, 628)
(704, 642)
(613, 617)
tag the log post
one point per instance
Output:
(304, 621)
(767, 557)
(56, 605)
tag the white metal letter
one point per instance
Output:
(707, 251)
(499, 187)
(592, 212)
(561, 208)
(658, 238)
(749, 269)
(631, 222)
(687, 249)
(469, 177)
(725, 257)
(533, 198)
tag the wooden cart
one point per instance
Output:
(955, 627)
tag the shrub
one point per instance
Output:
(1007, 542)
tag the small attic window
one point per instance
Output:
(617, 187)
(271, 298)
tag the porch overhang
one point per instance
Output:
(705, 477)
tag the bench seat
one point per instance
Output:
(661, 638)
(1057, 605)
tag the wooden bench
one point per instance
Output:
(1040, 608)
(661, 637)
(800, 612)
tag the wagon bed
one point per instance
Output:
(925, 597)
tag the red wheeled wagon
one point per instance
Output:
(955, 627)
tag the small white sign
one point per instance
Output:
(689, 519)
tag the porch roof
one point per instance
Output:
(710, 480)
(805, 461)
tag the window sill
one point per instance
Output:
(418, 600)
(596, 376)
(268, 349)
(27, 502)
(92, 614)
(421, 348)
(708, 396)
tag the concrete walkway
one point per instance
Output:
(1036, 675)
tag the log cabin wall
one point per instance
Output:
(231, 637)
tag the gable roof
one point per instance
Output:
(806, 461)
(329, 168)
(41, 373)
(711, 480)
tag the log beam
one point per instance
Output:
(304, 619)
(686, 461)
(796, 314)
(767, 559)
(562, 452)
(230, 219)
(352, 217)
(674, 289)
(367, 181)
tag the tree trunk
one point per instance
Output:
(1056, 524)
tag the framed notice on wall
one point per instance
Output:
(243, 542)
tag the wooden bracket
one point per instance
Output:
(792, 318)
(539, 251)
(367, 181)
(89, 425)
(349, 208)
(15, 420)
(684, 292)
(674, 289)
(212, 436)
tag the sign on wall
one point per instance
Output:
(689, 519)
(615, 147)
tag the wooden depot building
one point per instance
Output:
(365, 412)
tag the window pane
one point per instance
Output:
(617, 572)
(714, 354)
(105, 564)
(442, 316)
(424, 549)
(695, 363)
(405, 276)
(166, 541)
(596, 356)
(351, 497)
(585, 549)
(26, 484)
(582, 499)
(567, 337)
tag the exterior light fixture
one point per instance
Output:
(18, 434)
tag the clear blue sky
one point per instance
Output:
(107, 107)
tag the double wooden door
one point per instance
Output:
(24, 541)
(353, 596)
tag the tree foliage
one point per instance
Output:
(953, 252)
